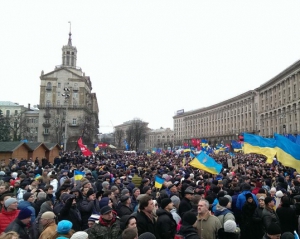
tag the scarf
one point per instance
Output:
(106, 223)
(149, 215)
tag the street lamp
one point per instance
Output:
(66, 94)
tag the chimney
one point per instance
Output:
(28, 106)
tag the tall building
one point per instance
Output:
(68, 107)
(272, 107)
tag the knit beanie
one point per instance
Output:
(147, 235)
(273, 229)
(287, 235)
(124, 191)
(24, 213)
(189, 218)
(175, 200)
(90, 192)
(103, 202)
(223, 201)
(105, 183)
(165, 202)
(80, 235)
(26, 196)
(9, 201)
(229, 226)
(229, 197)
(146, 188)
(64, 227)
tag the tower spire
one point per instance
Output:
(70, 34)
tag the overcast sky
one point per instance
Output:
(148, 59)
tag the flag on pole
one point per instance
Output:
(204, 162)
(78, 175)
(85, 151)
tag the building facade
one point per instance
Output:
(159, 138)
(272, 107)
(68, 107)
(23, 120)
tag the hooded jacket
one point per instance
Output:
(223, 214)
(6, 218)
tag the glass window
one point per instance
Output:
(58, 85)
(74, 121)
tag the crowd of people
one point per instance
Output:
(117, 198)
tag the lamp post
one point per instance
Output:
(66, 94)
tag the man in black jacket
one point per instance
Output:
(185, 204)
(125, 206)
(166, 225)
(144, 217)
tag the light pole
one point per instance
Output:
(66, 94)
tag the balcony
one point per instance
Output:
(45, 133)
(73, 125)
(46, 125)
(47, 115)
(49, 88)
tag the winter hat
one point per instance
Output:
(103, 202)
(279, 194)
(268, 199)
(48, 215)
(229, 197)
(124, 198)
(223, 201)
(24, 213)
(248, 195)
(26, 196)
(9, 201)
(94, 217)
(165, 202)
(189, 190)
(105, 183)
(80, 235)
(175, 200)
(64, 226)
(114, 188)
(189, 218)
(147, 235)
(90, 192)
(14, 175)
(287, 235)
(229, 226)
(124, 191)
(273, 189)
(273, 229)
(105, 210)
(61, 238)
(133, 191)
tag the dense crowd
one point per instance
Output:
(117, 199)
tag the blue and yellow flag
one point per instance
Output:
(204, 162)
(37, 177)
(158, 182)
(288, 153)
(78, 175)
(260, 145)
(96, 147)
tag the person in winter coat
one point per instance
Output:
(272, 231)
(8, 213)
(268, 214)
(287, 216)
(166, 225)
(19, 225)
(63, 230)
(222, 212)
(108, 226)
(28, 203)
(229, 231)
(69, 211)
(187, 230)
(185, 204)
(242, 197)
(127, 221)
(88, 206)
(125, 207)
(259, 231)
(247, 216)
(49, 226)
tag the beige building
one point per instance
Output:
(159, 138)
(272, 107)
(66, 99)
(23, 120)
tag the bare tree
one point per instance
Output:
(119, 136)
(17, 127)
(136, 133)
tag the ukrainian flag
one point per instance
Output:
(204, 162)
(78, 174)
(260, 145)
(288, 153)
(37, 177)
(96, 147)
(158, 182)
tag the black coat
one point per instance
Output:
(228, 235)
(287, 218)
(144, 224)
(124, 210)
(184, 206)
(166, 225)
(18, 227)
(189, 232)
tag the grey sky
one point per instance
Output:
(148, 59)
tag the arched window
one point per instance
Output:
(49, 86)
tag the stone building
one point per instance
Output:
(68, 107)
(272, 107)
(159, 138)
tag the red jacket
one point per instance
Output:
(6, 218)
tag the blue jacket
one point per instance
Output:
(214, 205)
(242, 199)
(26, 204)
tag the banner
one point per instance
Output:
(85, 151)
